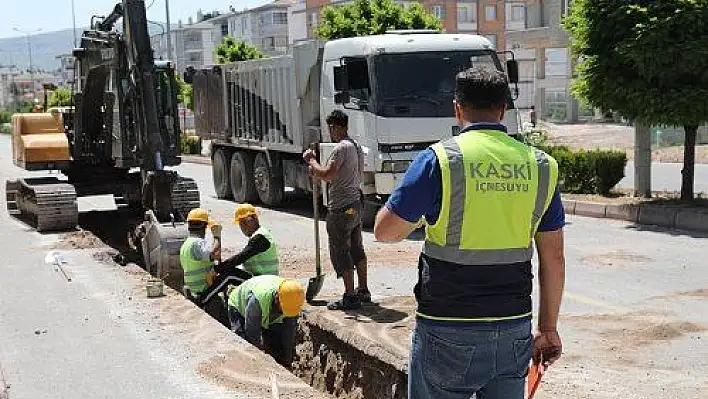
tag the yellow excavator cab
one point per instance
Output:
(39, 141)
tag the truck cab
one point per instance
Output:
(398, 90)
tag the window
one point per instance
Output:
(518, 12)
(269, 43)
(266, 19)
(466, 13)
(313, 19)
(438, 11)
(280, 18)
(224, 29)
(490, 13)
(493, 39)
(556, 61)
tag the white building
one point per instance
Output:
(264, 27)
(192, 45)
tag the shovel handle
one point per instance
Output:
(316, 211)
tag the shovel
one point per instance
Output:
(315, 284)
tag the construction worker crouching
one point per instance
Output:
(197, 256)
(264, 311)
(258, 257)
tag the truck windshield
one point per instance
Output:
(422, 84)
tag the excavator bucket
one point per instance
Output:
(160, 244)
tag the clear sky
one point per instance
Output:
(52, 15)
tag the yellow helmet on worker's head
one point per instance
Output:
(198, 215)
(243, 211)
(291, 296)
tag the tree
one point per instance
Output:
(372, 17)
(185, 93)
(60, 97)
(231, 50)
(647, 60)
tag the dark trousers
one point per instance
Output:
(278, 338)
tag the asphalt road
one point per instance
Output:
(633, 316)
(667, 177)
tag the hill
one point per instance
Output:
(45, 47)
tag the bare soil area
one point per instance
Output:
(613, 136)
(617, 258)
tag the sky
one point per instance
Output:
(53, 15)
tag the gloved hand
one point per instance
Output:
(211, 276)
(215, 228)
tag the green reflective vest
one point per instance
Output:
(495, 190)
(264, 289)
(195, 271)
(264, 262)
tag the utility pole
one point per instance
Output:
(73, 18)
(169, 38)
(29, 51)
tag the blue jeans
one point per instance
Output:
(457, 361)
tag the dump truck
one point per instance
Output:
(397, 89)
(119, 138)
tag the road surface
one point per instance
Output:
(633, 316)
(667, 177)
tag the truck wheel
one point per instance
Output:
(368, 215)
(269, 180)
(220, 174)
(242, 183)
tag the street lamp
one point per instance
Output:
(29, 50)
(169, 38)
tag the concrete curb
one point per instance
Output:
(669, 216)
(198, 159)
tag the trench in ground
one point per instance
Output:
(322, 360)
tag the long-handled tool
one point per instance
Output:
(315, 284)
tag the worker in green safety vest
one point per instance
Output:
(259, 256)
(264, 310)
(486, 199)
(197, 256)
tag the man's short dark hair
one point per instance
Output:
(338, 118)
(482, 88)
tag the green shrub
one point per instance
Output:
(588, 172)
(191, 145)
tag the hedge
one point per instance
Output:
(191, 145)
(588, 171)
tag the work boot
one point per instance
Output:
(364, 295)
(348, 302)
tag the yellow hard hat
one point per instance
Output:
(243, 211)
(291, 297)
(198, 215)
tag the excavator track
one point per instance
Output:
(47, 202)
(185, 196)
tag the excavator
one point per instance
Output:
(119, 138)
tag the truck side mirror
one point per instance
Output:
(342, 97)
(188, 75)
(341, 78)
(512, 69)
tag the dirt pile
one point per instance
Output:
(81, 239)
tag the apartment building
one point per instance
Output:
(545, 64)
(192, 44)
(264, 27)
(489, 18)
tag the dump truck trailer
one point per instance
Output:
(397, 89)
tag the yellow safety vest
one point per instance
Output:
(264, 262)
(495, 190)
(195, 271)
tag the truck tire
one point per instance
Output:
(220, 174)
(269, 180)
(243, 186)
(368, 214)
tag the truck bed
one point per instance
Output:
(270, 103)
